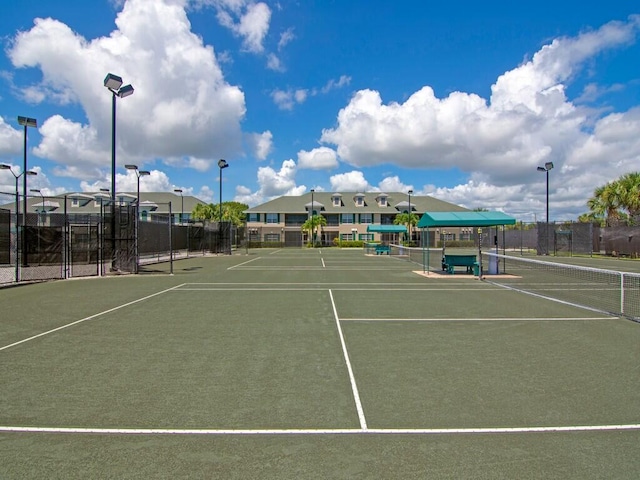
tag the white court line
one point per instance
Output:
(501, 319)
(244, 263)
(323, 265)
(328, 431)
(89, 318)
(277, 251)
(354, 387)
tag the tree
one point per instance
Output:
(312, 224)
(617, 201)
(407, 219)
(231, 212)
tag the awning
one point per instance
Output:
(464, 219)
(386, 229)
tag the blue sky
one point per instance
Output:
(461, 101)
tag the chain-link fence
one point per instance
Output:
(51, 245)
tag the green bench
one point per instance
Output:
(383, 249)
(449, 262)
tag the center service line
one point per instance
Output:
(354, 387)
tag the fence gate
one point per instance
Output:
(563, 242)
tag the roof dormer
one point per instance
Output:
(381, 200)
(336, 199)
(358, 199)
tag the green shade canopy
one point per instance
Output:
(464, 219)
(386, 229)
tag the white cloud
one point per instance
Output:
(261, 144)
(247, 19)
(285, 38)
(353, 181)
(274, 63)
(272, 184)
(394, 184)
(286, 99)
(10, 140)
(321, 158)
(498, 142)
(182, 106)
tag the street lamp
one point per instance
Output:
(547, 166)
(39, 192)
(313, 233)
(25, 122)
(113, 83)
(139, 173)
(409, 219)
(179, 190)
(42, 211)
(222, 163)
(17, 178)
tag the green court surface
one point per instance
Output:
(304, 363)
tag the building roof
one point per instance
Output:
(89, 202)
(464, 219)
(395, 202)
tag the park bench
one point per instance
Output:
(449, 262)
(383, 249)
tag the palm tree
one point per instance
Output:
(407, 219)
(629, 185)
(312, 224)
(606, 201)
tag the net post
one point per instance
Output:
(622, 293)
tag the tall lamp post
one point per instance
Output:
(139, 173)
(222, 163)
(179, 190)
(313, 233)
(409, 219)
(17, 178)
(26, 122)
(113, 83)
(42, 212)
(547, 166)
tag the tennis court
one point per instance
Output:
(312, 363)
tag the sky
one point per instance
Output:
(458, 100)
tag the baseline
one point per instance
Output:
(335, 431)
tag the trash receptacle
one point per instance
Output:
(476, 269)
(493, 265)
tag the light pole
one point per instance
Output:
(179, 190)
(139, 173)
(25, 122)
(547, 166)
(222, 163)
(311, 217)
(42, 211)
(39, 192)
(409, 219)
(113, 83)
(17, 242)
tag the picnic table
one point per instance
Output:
(449, 262)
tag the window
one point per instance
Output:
(359, 201)
(336, 201)
(347, 218)
(74, 202)
(382, 201)
(254, 217)
(272, 218)
(367, 237)
(366, 218)
(346, 237)
(272, 237)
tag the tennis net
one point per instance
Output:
(425, 257)
(602, 290)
